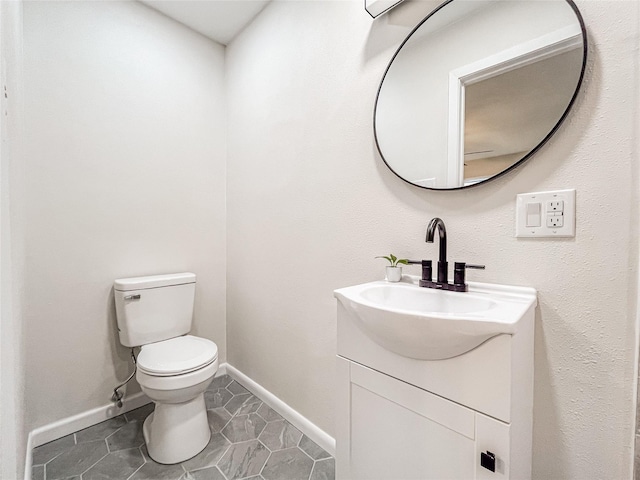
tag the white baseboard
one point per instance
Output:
(222, 370)
(55, 430)
(66, 426)
(299, 421)
(28, 459)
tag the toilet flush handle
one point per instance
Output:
(132, 297)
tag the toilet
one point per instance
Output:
(173, 369)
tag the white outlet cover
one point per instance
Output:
(568, 229)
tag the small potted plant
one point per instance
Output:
(394, 272)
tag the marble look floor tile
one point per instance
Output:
(37, 472)
(218, 418)
(207, 474)
(244, 427)
(141, 413)
(155, 471)
(101, 430)
(235, 388)
(217, 398)
(268, 413)
(145, 453)
(47, 452)
(291, 464)
(75, 460)
(239, 401)
(129, 436)
(210, 455)
(249, 408)
(312, 449)
(243, 460)
(279, 435)
(220, 382)
(324, 470)
(115, 466)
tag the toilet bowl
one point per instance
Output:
(174, 374)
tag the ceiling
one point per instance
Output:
(220, 20)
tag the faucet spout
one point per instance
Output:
(443, 268)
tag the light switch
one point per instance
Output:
(533, 214)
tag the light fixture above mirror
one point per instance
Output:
(477, 88)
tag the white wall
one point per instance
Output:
(310, 204)
(124, 176)
(13, 433)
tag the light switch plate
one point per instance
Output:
(553, 204)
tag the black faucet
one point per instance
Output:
(443, 267)
(459, 284)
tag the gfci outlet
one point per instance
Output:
(555, 221)
(555, 206)
(546, 214)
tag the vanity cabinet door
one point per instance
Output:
(392, 430)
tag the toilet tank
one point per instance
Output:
(155, 308)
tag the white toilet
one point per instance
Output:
(174, 369)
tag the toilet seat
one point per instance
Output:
(176, 356)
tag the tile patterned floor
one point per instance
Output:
(249, 441)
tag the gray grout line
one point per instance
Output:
(44, 464)
(302, 450)
(312, 467)
(102, 458)
(266, 421)
(136, 471)
(221, 472)
(225, 437)
(218, 462)
(267, 460)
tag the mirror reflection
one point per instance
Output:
(476, 88)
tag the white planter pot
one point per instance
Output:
(394, 274)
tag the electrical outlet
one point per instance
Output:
(555, 221)
(555, 206)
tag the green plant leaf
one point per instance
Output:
(386, 258)
(393, 260)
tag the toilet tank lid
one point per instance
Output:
(153, 281)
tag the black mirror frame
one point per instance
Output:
(574, 7)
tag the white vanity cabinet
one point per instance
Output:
(393, 430)
(466, 417)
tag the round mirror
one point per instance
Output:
(477, 88)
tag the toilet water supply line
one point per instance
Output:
(117, 394)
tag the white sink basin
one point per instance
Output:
(428, 324)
